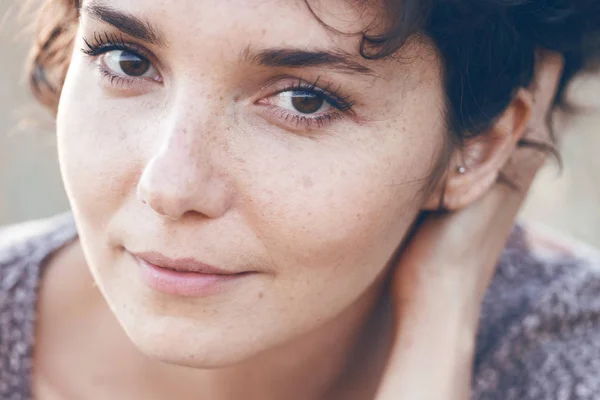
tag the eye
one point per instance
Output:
(302, 101)
(300, 106)
(124, 63)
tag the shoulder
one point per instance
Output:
(25, 245)
(539, 334)
(23, 248)
(23, 232)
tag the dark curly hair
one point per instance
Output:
(488, 47)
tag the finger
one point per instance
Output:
(548, 72)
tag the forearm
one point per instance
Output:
(433, 351)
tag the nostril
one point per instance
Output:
(158, 207)
(160, 211)
(154, 203)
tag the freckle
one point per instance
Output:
(307, 182)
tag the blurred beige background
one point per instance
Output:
(29, 180)
(30, 184)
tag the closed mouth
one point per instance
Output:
(183, 265)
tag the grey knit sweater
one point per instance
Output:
(539, 334)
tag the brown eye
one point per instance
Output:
(126, 64)
(307, 102)
(133, 65)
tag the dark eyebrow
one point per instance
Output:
(295, 58)
(125, 22)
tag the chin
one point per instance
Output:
(175, 342)
(197, 358)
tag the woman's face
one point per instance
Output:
(246, 136)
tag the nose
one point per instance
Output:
(182, 178)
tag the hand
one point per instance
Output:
(447, 265)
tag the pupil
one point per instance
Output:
(133, 65)
(307, 103)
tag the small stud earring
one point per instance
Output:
(461, 170)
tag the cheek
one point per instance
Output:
(337, 224)
(99, 144)
(330, 212)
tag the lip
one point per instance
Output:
(181, 264)
(184, 276)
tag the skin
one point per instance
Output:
(316, 211)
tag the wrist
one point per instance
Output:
(441, 300)
(432, 354)
(442, 325)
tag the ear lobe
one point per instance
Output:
(475, 167)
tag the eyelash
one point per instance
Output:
(341, 104)
(104, 43)
(299, 121)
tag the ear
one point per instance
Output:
(482, 158)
